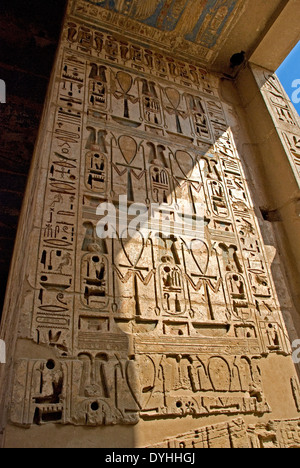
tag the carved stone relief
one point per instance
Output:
(236, 434)
(188, 30)
(284, 115)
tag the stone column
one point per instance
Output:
(275, 132)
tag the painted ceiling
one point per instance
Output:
(199, 24)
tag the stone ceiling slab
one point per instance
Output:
(191, 28)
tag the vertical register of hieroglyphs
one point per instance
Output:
(283, 114)
(147, 327)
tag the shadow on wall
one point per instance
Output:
(273, 191)
(29, 33)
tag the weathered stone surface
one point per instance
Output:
(180, 320)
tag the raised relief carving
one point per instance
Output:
(125, 99)
(152, 111)
(136, 295)
(275, 434)
(95, 279)
(188, 191)
(45, 383)
(197, 385)
(129, 173)
(292, 142)
(186, 30)
(206, 294)
(105, 395)
(172, 287)
(96, 172)
(98, 87)
(199, 116)
(236, 434)
(176, 113)
(95, 389)
(169, 322)
(107, 46)
(283, 111)
(159, 174)
(218, 199)
(296, 392)
(224, 435)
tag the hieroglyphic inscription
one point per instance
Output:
(177, 28)
(149, 325)
(285, 117)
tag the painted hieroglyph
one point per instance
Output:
(149, 326)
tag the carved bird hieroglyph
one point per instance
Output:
(145, 8)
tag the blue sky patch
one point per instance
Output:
(289, 75)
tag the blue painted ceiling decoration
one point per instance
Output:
(200, 23)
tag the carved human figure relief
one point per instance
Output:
(282, 109)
